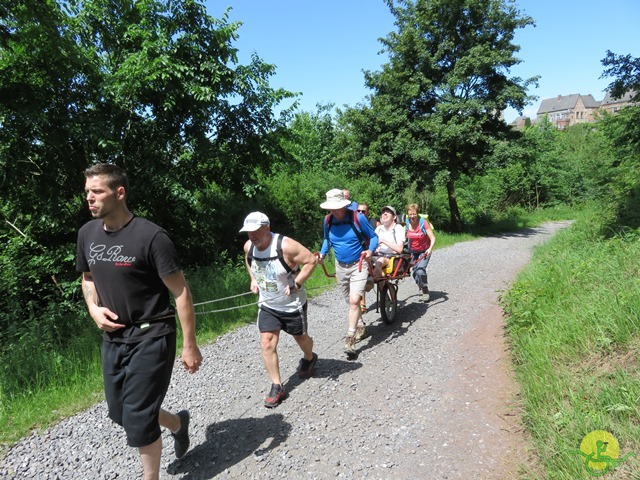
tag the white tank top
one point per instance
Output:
(273, 278)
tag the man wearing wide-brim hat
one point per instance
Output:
(349, 233)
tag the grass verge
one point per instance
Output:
(573, 327)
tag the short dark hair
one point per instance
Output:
(115, 176)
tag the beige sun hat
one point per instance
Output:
(335, 200)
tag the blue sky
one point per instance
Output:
(320, 48)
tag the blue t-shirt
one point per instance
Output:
(344, 240)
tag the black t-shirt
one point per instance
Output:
(127, 267)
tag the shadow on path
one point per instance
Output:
(325, 368)
(407, 313)
(228, 443)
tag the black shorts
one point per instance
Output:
(293, 323)
(136, 379)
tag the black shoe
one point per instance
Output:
(276, 396)
(306, 367)
(181, 437)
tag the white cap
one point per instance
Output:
(254, 221)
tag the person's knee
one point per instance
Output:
(269, 342)
(354, 301)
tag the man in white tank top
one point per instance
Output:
(278, 267)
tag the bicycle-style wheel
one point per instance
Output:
(388, 302)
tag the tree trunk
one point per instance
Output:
(456, 220)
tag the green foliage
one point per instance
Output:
(626, 72)
(435, 107)
(310, 141)
(292, 200)
(624, 131)
(152, 85)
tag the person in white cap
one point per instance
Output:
(278, 267)
(391, 238)
(349, 233)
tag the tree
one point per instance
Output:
(623, 130)
(435, 107)
(626, 71)
(152, 85)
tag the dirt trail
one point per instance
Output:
(431, 396)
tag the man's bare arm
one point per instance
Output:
(102, 316)
(296, 254)
(191, 356)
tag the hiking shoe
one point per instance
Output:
(350, 345)
(276, 396)
(425, 294)
(306, 367)
(181, 437)
(361, 333)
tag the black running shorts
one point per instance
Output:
(136, 379)
(293, 323)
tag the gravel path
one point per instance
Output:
(430, 396)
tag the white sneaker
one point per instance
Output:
(425, 294)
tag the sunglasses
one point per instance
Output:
(362, 211)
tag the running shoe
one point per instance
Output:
(350, 345)
(361, 333)
(306, 367)
(276, 396)
(181, 437)
(425, 294)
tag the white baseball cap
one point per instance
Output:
(254, 221)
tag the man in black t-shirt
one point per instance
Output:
(129, 270)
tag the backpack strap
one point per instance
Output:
(355, 224)
(422, 227)
(279, 255)
(353, 221)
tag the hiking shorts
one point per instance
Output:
(351, 280)
(136, 379)
(293, 323)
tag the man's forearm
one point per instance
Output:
(187, 317)
(89, 292)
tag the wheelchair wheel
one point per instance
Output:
(388, 302)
